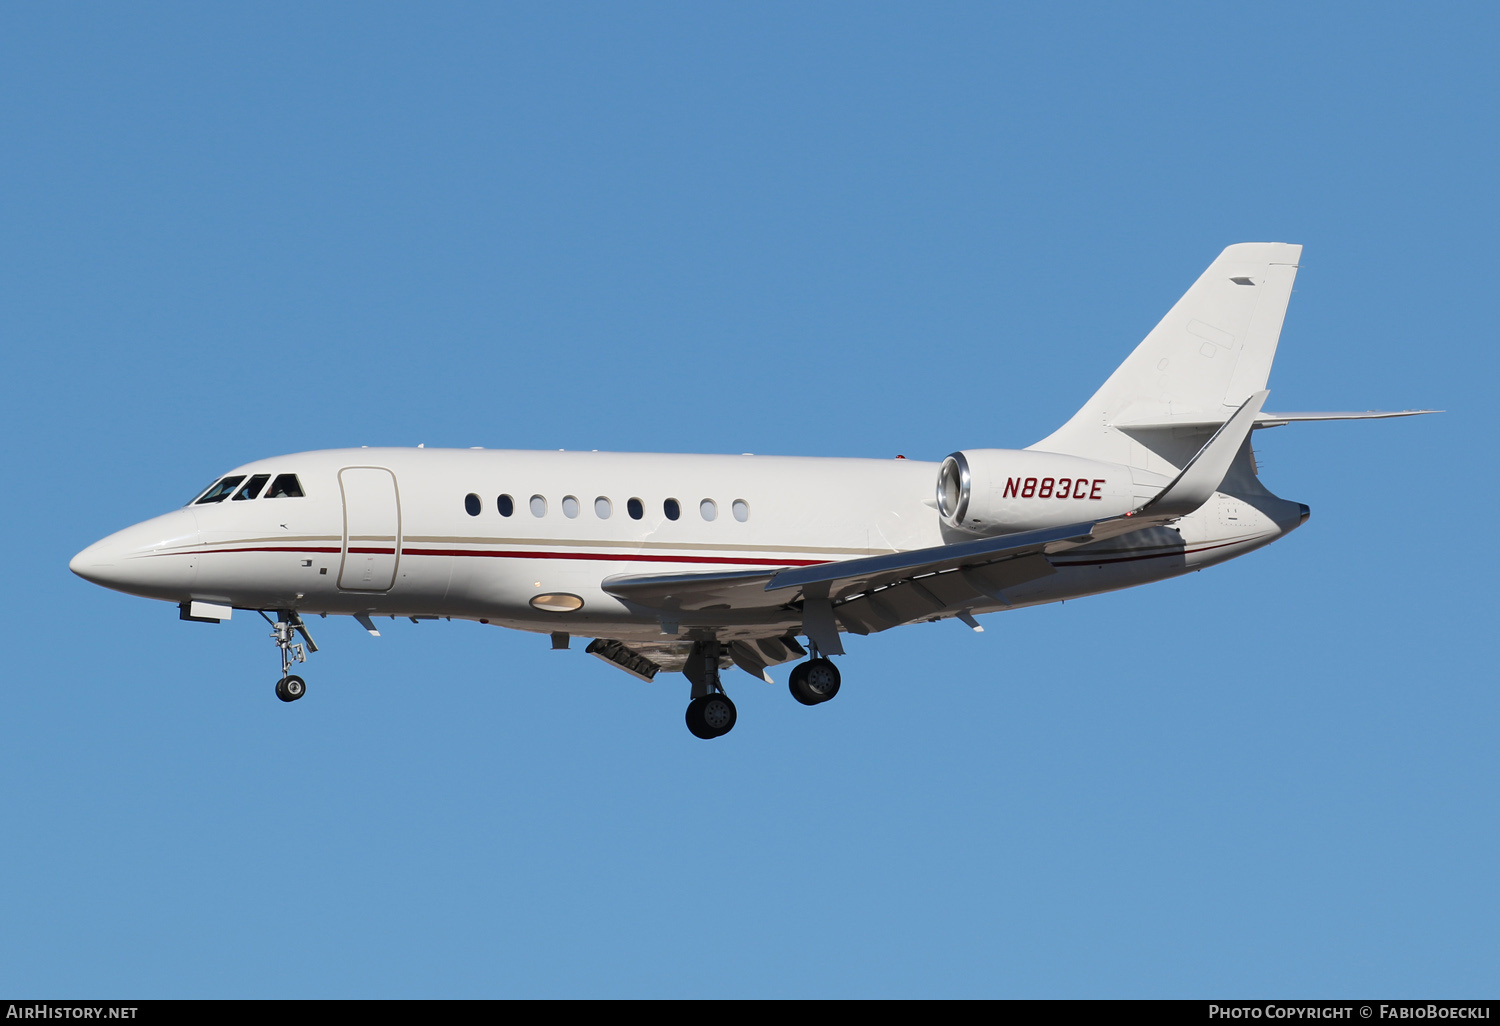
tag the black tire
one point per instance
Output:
(695, 722)
(815, 681)
(718, 714)
(291, 688)
(797, 685)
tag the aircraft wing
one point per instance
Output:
(870, 593)
(874, 593)
(734, 589)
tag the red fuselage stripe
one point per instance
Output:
(623, 557)
(626, 557)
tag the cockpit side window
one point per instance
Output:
(252, 487)
(286, 486)
(220, 491)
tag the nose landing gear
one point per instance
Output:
(284, 630)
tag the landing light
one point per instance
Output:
(557, 602)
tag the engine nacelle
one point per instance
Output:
(1001, 491)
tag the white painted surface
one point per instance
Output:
(372, 526)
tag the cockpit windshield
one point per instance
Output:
(220, 491)
(201, 494)
(252, 487)
(284, 486)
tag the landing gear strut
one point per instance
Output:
(284, 631)
(710, 714)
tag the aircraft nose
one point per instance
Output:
(94, 563)
(154, 559)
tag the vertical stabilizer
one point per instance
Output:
(1210, 353)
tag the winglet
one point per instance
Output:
(1205, 471)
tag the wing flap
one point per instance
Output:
(624, 657)
(922, 599)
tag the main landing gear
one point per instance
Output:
(710, 714)
(814, 681)
(284, 631)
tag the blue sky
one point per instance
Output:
(810, 229)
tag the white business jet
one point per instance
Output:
(694, 564)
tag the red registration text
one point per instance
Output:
(1053, 488)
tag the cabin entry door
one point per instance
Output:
(372, 529)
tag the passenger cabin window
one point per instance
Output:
(538, 506)
(286, 486)
(741, 510)
(221, 491)
(636, 509)
(506, 505)
(570, 506)
(252, 487)
(671, 509)
(603, 508)
(471, 504)
(708, 509)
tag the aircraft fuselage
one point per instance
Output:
(395, 532)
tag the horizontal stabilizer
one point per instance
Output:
(1263, 420)
(1278, 419)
